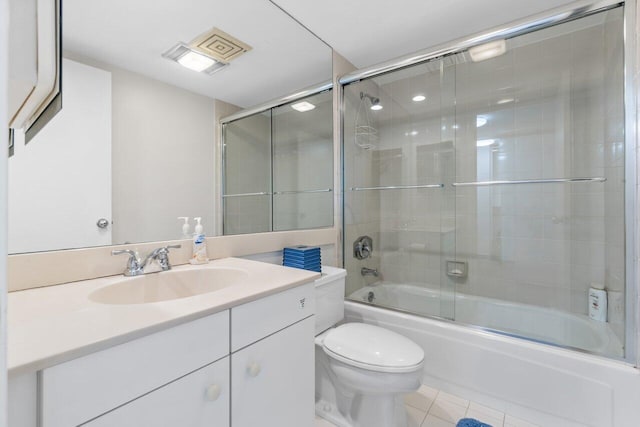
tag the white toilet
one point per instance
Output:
(362, 371)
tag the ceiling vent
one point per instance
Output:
(219, 45)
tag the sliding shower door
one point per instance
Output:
(303, 163)
(540, 184)
(247, 175)
(278, 167)
(491, 184)
(399, 164)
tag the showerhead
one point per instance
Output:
(374, 100)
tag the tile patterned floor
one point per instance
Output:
(429, 407)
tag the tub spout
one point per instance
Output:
(369, 272)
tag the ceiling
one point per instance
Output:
(133, 35)
(367, 32)
(285, 57)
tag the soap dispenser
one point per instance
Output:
(186, 228)
(199, 245)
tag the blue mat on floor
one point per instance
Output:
(471, 422)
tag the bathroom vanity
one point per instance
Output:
(84, 354)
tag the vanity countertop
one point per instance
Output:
(51, 325)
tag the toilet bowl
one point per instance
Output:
(362, 370)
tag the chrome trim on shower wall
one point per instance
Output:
(631, 71)
(528, 181)
(397, 187)
(303, 93)
(522, 26)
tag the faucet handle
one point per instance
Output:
(132, 254)
(133, 264)
(162, 256)
(164, 250)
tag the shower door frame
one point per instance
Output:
(526, 25)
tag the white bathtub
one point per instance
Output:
(521, 320)
(547, 385)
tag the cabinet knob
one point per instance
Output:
(213, 392)
(253, 369)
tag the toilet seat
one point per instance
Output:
(373, 348)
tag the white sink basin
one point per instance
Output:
(168, 285)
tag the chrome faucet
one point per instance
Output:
(369, 272)
(136, 267)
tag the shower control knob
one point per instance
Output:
(253, 369)
(362, 247)
(213, 392)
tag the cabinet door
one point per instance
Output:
(200, 399)
(273, 379)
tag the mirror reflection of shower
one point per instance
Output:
(366, 134)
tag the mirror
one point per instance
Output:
(133, 148)
(278, 168)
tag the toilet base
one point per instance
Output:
(396, 417)
(329, 412)
(346, 408)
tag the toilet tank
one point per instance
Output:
(329, 298)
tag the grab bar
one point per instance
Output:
(324, 190)
(528, 181)
(398, 187)
(262, 193)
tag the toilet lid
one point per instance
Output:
(373, 348)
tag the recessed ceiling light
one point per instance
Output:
(455, 127)
(481, 121)
(487, 50)
(505, 101)
(418, 98)
(376, 107)
(303, 106)
(485, 142)
(193, 60)
(413, 133)
(196, 61)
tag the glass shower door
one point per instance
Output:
(303, 163)
(399, 162)
(491, 190)
(247, 175)
(539, 184)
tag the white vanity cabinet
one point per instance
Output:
(249, 365)
(272, 384)
(77, 391)
(200, 399)
(272, 374)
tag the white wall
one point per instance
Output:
(163, 158)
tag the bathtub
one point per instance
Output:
(544, 325)
(546, 385)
